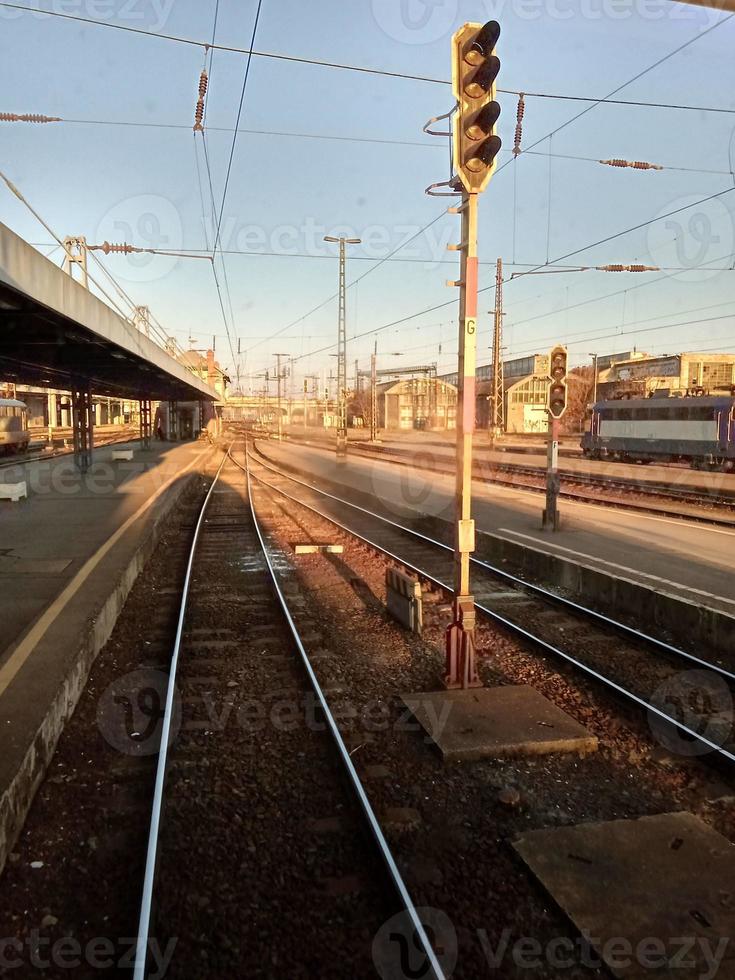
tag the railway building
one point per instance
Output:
(525, 380)
(641, 375)
(417, 403)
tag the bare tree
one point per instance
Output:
(580, 389)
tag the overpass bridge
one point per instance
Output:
(55, 333)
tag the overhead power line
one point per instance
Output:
(548, 136)
(363, 69)
(584, 248)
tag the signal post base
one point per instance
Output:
(461, 654)
(341, 443)
(551, 518)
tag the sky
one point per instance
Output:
(344, 153)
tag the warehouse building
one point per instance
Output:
(642, 375)
(417, 403)
(525, 382)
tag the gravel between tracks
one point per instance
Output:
(455, 848)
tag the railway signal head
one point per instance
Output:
(475, 68)
(557, 395)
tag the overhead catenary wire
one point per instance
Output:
(584, 248)
(363, 69)
(514, 159)
(125, 317)
(216, 241)
(340, 138)
(254, 53)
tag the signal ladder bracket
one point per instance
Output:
(453, 181)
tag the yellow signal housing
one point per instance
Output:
(557, 394)
(475, 67)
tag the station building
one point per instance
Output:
(640, 375)
(51, 408)
(417, 403)
(525, 382)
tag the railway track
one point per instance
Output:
(654, 498)
(676, 689)
(255, 858)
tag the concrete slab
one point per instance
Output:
(657, 895)
(13, 491)
(122, 454)
(69, 557)
(496, 722)
(313, 549)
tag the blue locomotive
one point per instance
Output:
(699, 430)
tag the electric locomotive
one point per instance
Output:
(697, 430)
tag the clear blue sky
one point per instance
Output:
(139, 183)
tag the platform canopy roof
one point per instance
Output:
(55, 333)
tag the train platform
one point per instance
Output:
(687, 560)
(69, 554)
(440, 445)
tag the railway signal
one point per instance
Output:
(556, 406)
(475, 68)
(556, 402)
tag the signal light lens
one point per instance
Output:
(482, 81)
(558, 368)
(483, 122)
(483, 44)
(484, 155)
(557, 400)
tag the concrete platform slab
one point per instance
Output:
(657, 894)
(70, 555)
(496, 722)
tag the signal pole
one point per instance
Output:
(374, 394)
(342, 347)
(497, 413)
(461, 669)
(476, 145)
(556, 406)
(279, 377)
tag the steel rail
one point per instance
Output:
(367, 810)
(512, 627)
(617, 483)
(144, 921)
(539, 590)
(666, 495)
(141, 951)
